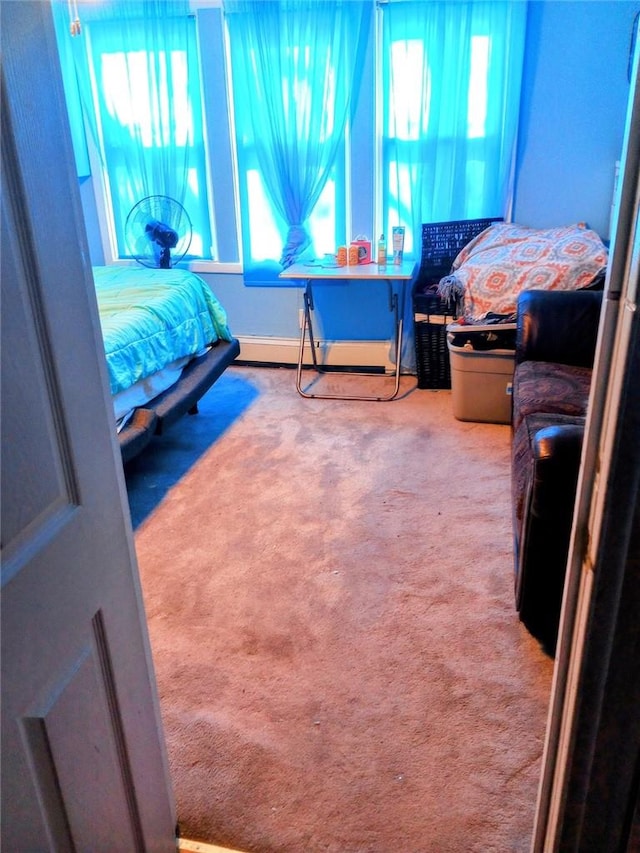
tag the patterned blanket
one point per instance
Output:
(504, 259)
(152, 317)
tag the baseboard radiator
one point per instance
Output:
(375, 355)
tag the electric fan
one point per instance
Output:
(158, 231)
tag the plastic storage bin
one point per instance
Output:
(481, 376)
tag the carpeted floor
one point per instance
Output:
(330, 601)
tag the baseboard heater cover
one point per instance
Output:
(364, 354)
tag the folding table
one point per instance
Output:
(394, 276)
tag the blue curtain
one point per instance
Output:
(451, 72)
(64, 21)
(295, 68)
(139, 84)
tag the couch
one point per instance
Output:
(555, 345)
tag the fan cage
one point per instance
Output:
(158, 232)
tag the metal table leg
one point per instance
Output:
(396, 307)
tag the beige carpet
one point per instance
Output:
(330, 603)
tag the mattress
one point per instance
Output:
(152, 318)
(144, 390)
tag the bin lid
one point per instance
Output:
(492, 337)
(467, 351)
(470, 328)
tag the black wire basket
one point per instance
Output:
(441, 243)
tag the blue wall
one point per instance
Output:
(575, 91)
(573, 109)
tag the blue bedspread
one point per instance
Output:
(151, 317)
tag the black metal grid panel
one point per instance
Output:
(441, 243)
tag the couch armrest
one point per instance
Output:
(544, 544)
(556, 454)
(558, 326)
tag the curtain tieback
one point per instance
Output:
(297, 241)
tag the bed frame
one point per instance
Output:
(182, 397)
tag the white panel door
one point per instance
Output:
(83, 759)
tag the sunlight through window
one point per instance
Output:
(138, 100)
(410, 90)
(477, 111)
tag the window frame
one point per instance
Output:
(247, 162)
(388, 144)
(360, 170)
(220, 164)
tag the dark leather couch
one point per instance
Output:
(555, 345)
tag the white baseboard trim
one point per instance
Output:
(365, 354)
(187, 846)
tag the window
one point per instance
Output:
(449, 102)
(265, 229)
(175, 114)
(155, 114)
(295, 79)
(149, 121)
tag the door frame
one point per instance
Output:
(588, 793)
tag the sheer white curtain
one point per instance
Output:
(296, 69)
(452, 73)
(137, 77)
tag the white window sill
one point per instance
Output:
(194, 266)
(216, 267)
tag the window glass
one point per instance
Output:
(444, 126)
(477, 102)
(449, 101)
(149, 107)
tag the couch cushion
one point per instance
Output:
(549, 388)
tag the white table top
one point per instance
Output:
(322, 269)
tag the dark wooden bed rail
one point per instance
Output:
(182, 397)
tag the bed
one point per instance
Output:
(166, 341)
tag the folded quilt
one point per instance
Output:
(151, 317)
(505, 259)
